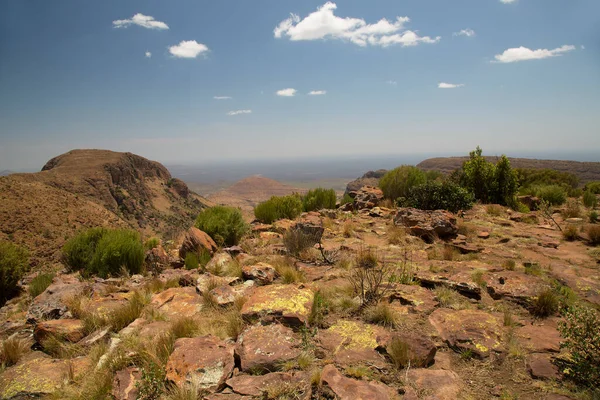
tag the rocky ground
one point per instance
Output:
(452, 318)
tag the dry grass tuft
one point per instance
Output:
(494, 210)
(448, 298)
(185, 327)
(382, 314)
(396, 235)
(348, 229)
(12, 350)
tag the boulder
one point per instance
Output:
(37, 375)
(416, 298)
(469, 330)
(540, 366)
(351, 389)
(157, 259)
(367, 197)
(438, 384)
(420, 350)
(261, 273)
(253, 385)
(196, 241)
(287, 303)
(71, 330)
(540, 337)
(514, 285)
(266, 347)
(205, 280)
(207, 361)
(178, 302)
(427, 224)
(124, 384)
(220, 262)
(51, 304)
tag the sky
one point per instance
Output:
(199, 81)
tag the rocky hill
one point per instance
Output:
(84, 188)
(250, 191)
(371, 178)
(585, 171)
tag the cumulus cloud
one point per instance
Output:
(222, 98)
(507, 1)
(443, 85)
(287, 92)
(465, 32)
(317, 92)
(324, 24)
(142, 20)
(188, 49)
(523, 54)
(238, 112)
(148, 54)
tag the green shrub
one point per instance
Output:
(545, 304)
(528, 177)
(347, 199)
(191, 261)
(152, 243)
(593, 187)
(318, 199)
(279, 207)
(14, 262)
(582, 340)
(555, 195)
(105, 252)
(593, 217)
(439, 195)
(224, 224)
(39, 284)
(589, 199)
(397, 182)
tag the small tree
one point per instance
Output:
(478, 176)
(439, 195)
(396, 183)
(318, 199)
(506, 183)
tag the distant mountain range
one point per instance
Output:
(6, 172)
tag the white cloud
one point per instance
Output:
(523, 54)
(443, 85)
(222, 98)
(465, 32)
(142, 20)
(393, 83)
(188, 49)
(323, 24)
(582, 47)
(148, 54)
(238, 112)
(507, 1)
(317, 92)
(287, 92)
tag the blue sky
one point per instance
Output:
(516, 76)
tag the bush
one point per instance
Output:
(224, 224)
(318, 199)
(572, 209)
(152, 243)
(555, 195)
(278, 208)
(545, 304)
(593, 217)
(439, 196)
(105, 252)
(397, 182)
(39, 284)
(593, 232)
(296, 241)
(539, 177)
(582, 340)
(589, 199)
(570, 233)
(593, 187)
(14, 262)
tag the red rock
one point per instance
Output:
(178, 302)
(540, 337)
(71, 330)
(270, 235)
(124, 384)
(51, 304)
(417, 298)
(206, 360)
(427, 225)
(261, 273)
(540, 367)
(351, 389)
(445, 385)
(287, 303)
(265, 348)
(196, 241)
(514, 285)
(420, 349)
(483, 235)
(252, 385)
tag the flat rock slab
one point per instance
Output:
(178, 302)
(253, 385)
(206, 360)
(51, 304)
(417, 298)
(514, 285)
(352, 342)
(261, 273)
(267, 347)
(540, 337)
(35, 376)
(124, 384)
(288, 303)
(205, 280)
(540, 366)
(432, 384)
(471, 330)
(351, 389)
(71, 330)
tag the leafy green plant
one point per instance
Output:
(14, 262)
(222, 223)
(396, 183)
(191, 261)
(39, 284)
(152, 243)
(593, 187)
(555, 195)
(589, 199)
(318, 199)
(528, 177)
(593, 216)
(439, 196)
(279, 207)
(582, 340)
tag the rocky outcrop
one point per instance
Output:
(196, 241)
(52, 303)
(370, 178)
(266, 347)
(351, 389)
(178, 302)
(427, 225)
(289, 304)
(261, 273)
(71, 330)
(438, 384)
(367, 197)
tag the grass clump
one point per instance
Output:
(224, 224)
(532, 269)
(447, 297)
(545, 304)
(399, 352)
(296, 241)
(39, 284)
(288, 272)
(494, 210)
(589, 199)
(358, 372)
(593, 216)
(571, 210)
(14, 262)
(278, 207)
(396, 235)
(570, 233)
(318, 199)
(152, 243)
(382, 314)
(582, 340)
(12, 350)
(593, 232)
(105, 252)
(477, 278)
(348, 228)
(185, 327)
(318, 309)
(510, 264)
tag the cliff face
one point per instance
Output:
(92, 188)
